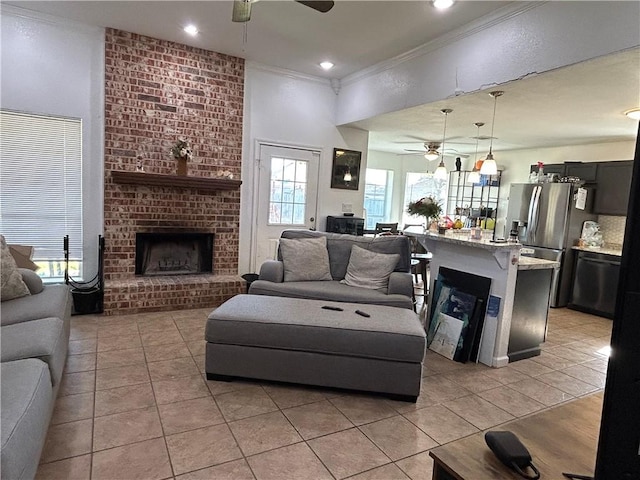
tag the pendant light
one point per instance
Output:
(441, 171)
(474, 175)
(489, 166)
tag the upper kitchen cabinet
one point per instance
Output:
(584, 171)
(613, 181)
(558, 168)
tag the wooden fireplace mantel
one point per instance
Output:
(180, 181)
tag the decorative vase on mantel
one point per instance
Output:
(182, 166)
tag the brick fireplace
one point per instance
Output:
(156, 92)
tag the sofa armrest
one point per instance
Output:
(272, 271)
(401, 283)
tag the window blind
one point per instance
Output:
(41, 183)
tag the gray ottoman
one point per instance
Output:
(296, 340)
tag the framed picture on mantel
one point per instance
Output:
(345, 173)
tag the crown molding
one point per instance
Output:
(488, 21)
(283, 72)
(48, 19)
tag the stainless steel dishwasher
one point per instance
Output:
(595, 283)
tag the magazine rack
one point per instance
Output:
(87, 296)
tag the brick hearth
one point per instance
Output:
(155, 92)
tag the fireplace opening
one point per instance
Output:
(174, 253)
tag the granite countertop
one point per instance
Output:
(532, 263)
(615, 250)
(463, 239)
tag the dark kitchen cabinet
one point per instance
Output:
(558, 168)
(595, 283)
(584, 171)
(613, 185)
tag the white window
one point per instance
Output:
(419, 185)
(41, 188)
(377, 196)
(288, 191)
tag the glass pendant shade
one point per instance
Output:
(489, 166)
(441, 172)
(347, 176)
(473, 177)
(431, 155)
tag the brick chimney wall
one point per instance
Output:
(156, 92)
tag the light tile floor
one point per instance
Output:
(135, 404)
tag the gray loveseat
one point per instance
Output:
(399, 292)
(35, 337)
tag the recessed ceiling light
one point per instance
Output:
(442, 4)
(191, 29)
(326, 65)
(633, 113)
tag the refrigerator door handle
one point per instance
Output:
(532, 219)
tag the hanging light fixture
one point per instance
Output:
(474, 175)
(441, 171)
(489, 166)
(432, 152)
(347, 175)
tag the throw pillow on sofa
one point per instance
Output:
(369, 269)
(305, 259)
(12, 285)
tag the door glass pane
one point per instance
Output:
(300, 194)
(301, 172)
(276, 191)
(276, 168)
(274, 212)
(289, 169)
(298, 213)
(288, 193)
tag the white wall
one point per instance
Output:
(523, 39)
(288, 109)
(56, 67)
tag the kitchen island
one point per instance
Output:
(501, 263)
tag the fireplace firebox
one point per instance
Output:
(183, 253)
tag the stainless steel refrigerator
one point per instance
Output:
(550, 224)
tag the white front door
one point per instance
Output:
(287, 196)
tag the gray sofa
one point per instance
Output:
(35, 336)
(398, 294)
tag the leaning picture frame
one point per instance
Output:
(345, 172)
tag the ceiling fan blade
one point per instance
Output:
(241, 11)
(320, 6)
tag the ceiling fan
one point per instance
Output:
(431, 151)
(242, 8)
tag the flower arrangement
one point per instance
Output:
(181, 149)
(427, 207)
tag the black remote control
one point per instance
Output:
(362, 314)
(330, 307)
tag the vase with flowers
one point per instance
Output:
(182, 152)
(427, 207)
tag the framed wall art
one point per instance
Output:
(345, 173)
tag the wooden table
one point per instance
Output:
(561, 439)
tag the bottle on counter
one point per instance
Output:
(476, 232)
